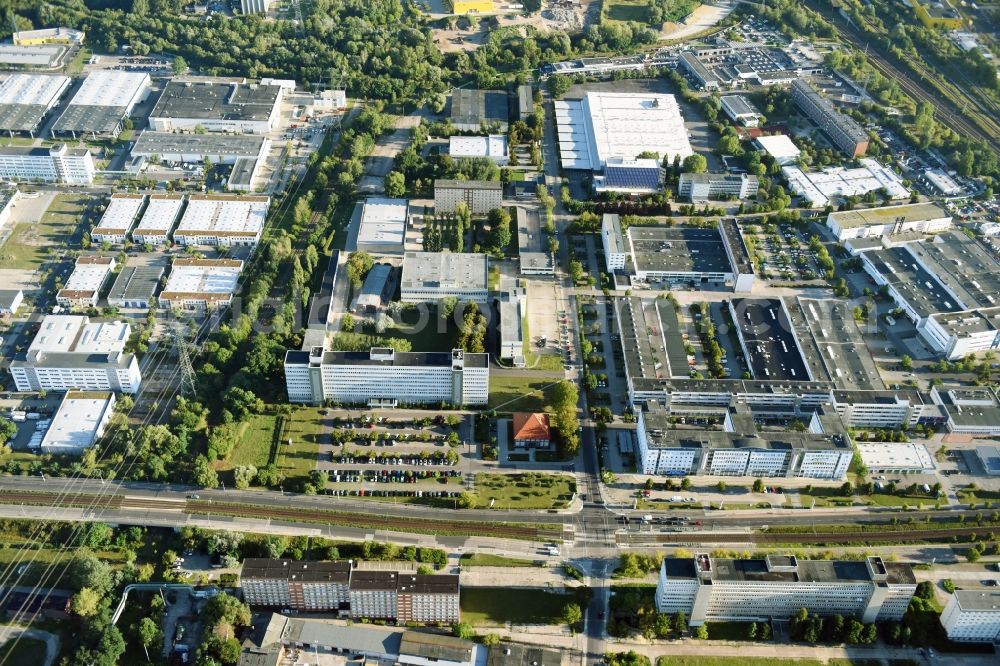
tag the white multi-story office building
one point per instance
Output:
(973, 616)
(955, 335)
(777, 586)
(481, 196)
(715, 186)
(385, 376)
(70, 352)
(85, 282)
(118, 218)
(58, 164)
(613, 240)
(431, 276)
(924, 218)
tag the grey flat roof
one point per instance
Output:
(21, 117)
(445, 270)
(468, 184)
(73, 360)
(242, 172)
(923, 291)
(401, 359)
(355, 638)
(436, 647)
(832, 344)
(7, 297)
(733, 236)
(766, 331)
(738, 104)
(427, 583)
(969, 322)
(678, 250)
(806, 571)
(374, 580)
(918, 212)
(515, 654)
(978, 600)
(159, 143)
(963, 266)
(470, 106)
(338, 571)
(84, 118)
(651, 338)
(216, 101)
(136, 282)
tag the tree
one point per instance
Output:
(559, 85)
(572, 614)
(695, 164)
(358, 265)
(906, 363)
(150, 633)
(7, 431)
(179, 65)
(758, 485)
(243, 476)
(204, 475)
(395, 184)
(86, 602)
(446, 306)
(463, 630)
(701, 632)
(90, 572)
(721, 485)
(500, 225)
(685, 483)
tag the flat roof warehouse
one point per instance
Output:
(216, 101)
(678, 250)
(26, 98)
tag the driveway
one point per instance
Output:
(13, 632)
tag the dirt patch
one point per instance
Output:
(554, 16)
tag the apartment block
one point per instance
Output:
(383, 376)
(777, 586)
(973, 616)
(427, 598)
(307, 586)
(844, 131)
(481, 196)
(373, 594)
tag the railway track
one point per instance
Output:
(61, 500)
(803, 538)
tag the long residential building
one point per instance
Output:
(385, 376)
(775, 587)
(57, 164)
(973, 616)
(70, 352)
(843, 130)
(481, 196)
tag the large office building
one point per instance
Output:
(844, 131)
(201, 284)
(386, 377)
(159, 219)
(102, 103)
(920, 218)
(81, 420)
(973, 410)
(222, 220)
(737, 446)
(700, 187)
(26, 99)
(973, 616)
(118, 218)
(818, 189)
(431, 276)
(383, 226)
(481, 196)
(84, 285)
(56, 164)
(709, 589)
(240, 108)
(472, 110)
(69, 352)
(602, 127)
(955, 335)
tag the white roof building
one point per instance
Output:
(200, 284)
(383, 225)
(819, 187)
(26, 98)
(118, 218)
(84, 284)
(493, 146)
(780, 147)
(102, 102)
(80, 421)
(159, 219)
(75, 334)
(57, 35)
(898, 457)
(222, 220)
(602, 126)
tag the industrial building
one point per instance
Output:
(973, 616)
(254, 6)
(102, 103)
(25, 100)
(604, 126)
(699, 187)
(472, 110)
(971, 410)
(222, 220)
(703, 77)
(844, 131)
(56, 164)
(81, 420)
(70, 352)
(48, 56)
(239, 108)
(159, 219)
(512, 330)
(780, 147)
(707, 588)
(819, 189)
(374, 290)
(737, 446)
(85, 282)
(10, 301)
(768, 339)
(493, 147)
(59, 35)
(832, 344)
(922, 218)
(896, 457)
(201, 284)
(631, 177)
(740, 110)
(385, 377)
(174, 147)
(383, 226)
(135, 286)
(431, 276)
(118, 218)
(481, 196)
(989, 458)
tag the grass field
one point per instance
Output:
(552, 362)
(253, 444)
(23, 651)
(525, 491)
(520, 394)
(304, 427)
(29, 243)
(487, 560)
(38, 561)
(497, 605)
(634, 11)
(425, 330)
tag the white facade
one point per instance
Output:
(895, 457)
(921, 218)
(241, 108)
(20, 91)
(819, 188)
(118, 218)
(58, 164)
(10, 301)
(383, 226)
(973, 616)
(80, 421)
(84, 284)
(70, 352)
(493, 147)
(480, 196)
(613, 241)
(955, 335)
(201, 284)
(159, 219)
(315, 376)
(222, 220)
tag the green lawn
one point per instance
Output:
(23, 651)
(525, 491)
(497, 605)
(38, 562)
(487, 560)
(304, 427)
(627, 10)
(425, 330)
(29, 243)
(253, 444)
(520, 394)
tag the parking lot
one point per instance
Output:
(782, 253)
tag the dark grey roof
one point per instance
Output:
(470, 106)
(216, 101)
(159, 143)
(374, 580)
(21, 117)
(468, 184)
(135, 283)
(427, 583)
(82, 118)
(436, 647)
